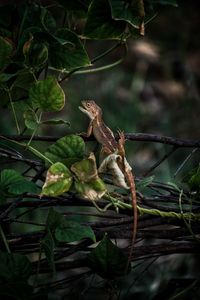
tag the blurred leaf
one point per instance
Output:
(48, 245)
(107, 260)
(55, 122)
(54, 219)
(31, 120)
(73, 231)
(58, 180)
(14, 267)
(144, 182)
(13, 182)
(5, 52)
(70, 146)
(100, 24)
(24, 80)
(47, 95)
(75, 5)
(70, 55)
(193, 179)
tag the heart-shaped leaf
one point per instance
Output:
(69, 148)
(47, 95)
(58, 180)
(100, 24)
(107, 259)
(31, 120)
(70, 54)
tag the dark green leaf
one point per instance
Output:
(70, 55)
(36, 53)
(47, 95)
(100, 24)
(5, 52)
(75, 5)
(14, 267)
(107, 260)
(193, 179)
(58, 180)
(70, 231)
(67, 231)
(13, 182)
(48, 245)
(68, 147)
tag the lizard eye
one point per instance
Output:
(88, 104)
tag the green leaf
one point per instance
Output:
(47, 95)
(54, 219)
(193, 179)
(73, 231)
(107, 260)
(55, 122)
(70, 55)
(14, 267)
(31, 120)
(48, 245)
(67, 231)
(88, 184)
(100, 24)
(13, 182)
(5, 52)
(68, 147)
(36, 53)
(24, 80)
(58, 180)
(94, 190)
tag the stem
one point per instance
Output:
(14, 112)
(35, 130)
(4, 240)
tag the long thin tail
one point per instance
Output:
(131, 182)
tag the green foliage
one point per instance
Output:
(47, 95)
(58, 180)
(14, 268)
(5, 52)
(67, 149)
(193, 179)
(107, 260)
(47, 245)
(66, 230)
(13, 183)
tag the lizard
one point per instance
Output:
(106, 138)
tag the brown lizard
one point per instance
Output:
(105, 137)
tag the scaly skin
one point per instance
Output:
(105, 137)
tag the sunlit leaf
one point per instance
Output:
(70, 55)
(58, 180)
(14, 267)
(47, 95)
(107, 260)
(67, 147)
(100, 24)
(5, 52)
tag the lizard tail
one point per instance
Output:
(131, 182)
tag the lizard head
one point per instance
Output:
(90, 108)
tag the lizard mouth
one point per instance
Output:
(85, 111)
